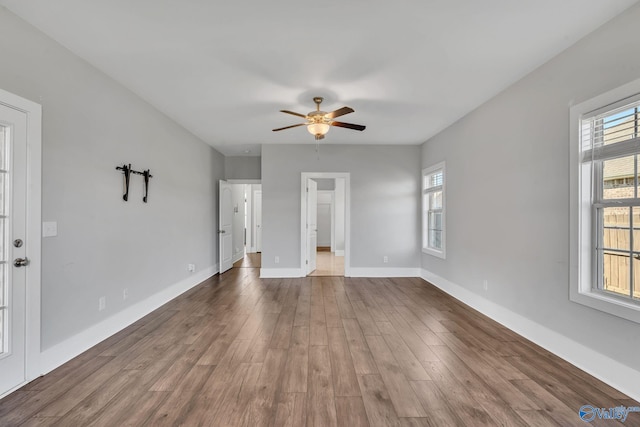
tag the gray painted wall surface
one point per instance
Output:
(91, 124)
(508, 190)
(242, 167)
(385, 199)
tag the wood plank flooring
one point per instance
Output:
(328, 264)
(320, 351)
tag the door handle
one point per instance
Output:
(221, 231)
(21, 262)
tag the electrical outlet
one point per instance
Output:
(191, 268)
(485, 284)
(385, 259)
(277, 260)
(49, 229)
(125, 293)
(102, 303)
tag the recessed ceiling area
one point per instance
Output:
(223, 70)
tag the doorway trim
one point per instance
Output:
(33, 234)
(347, 216)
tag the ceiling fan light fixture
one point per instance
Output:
(319, 122)
(318, 129)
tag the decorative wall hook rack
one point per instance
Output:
(126, 172)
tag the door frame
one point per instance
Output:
(347, 216)
(33, 240)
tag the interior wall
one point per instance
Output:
(507, 201)
(104, 245)
(384, 201)
(242, 167)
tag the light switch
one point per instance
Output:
(49, 229)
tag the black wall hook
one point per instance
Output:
(147, 175)
(126, 171)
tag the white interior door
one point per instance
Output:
(225, 230)
(312, 224)
(13, 294)
(257, 206)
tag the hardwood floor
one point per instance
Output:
(249, 261)
(328, 264)
(328, 351)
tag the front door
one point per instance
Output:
(13, 293)
(225, 246)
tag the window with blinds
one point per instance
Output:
(610, 157)
(433, 217)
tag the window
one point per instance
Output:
(433, 207)
(606, 220)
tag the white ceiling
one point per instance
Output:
(223, 69)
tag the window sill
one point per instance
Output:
(608, 304)
(439, 254)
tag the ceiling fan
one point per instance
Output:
(319, 122)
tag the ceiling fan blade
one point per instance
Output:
(348, 125)
(289, 127)
(339, 112)
(294, 113)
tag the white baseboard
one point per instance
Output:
(610, 371)
(237, 257)
(280, 273)
(61, 353)
(339, 253)
(382, 272)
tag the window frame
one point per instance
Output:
(426, 191)
(584, 235)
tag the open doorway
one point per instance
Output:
(240, 224)
(324, 231)
(251, 219)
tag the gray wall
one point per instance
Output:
(385, 198)
(90, 125)
(508, 190)
(242, 167)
